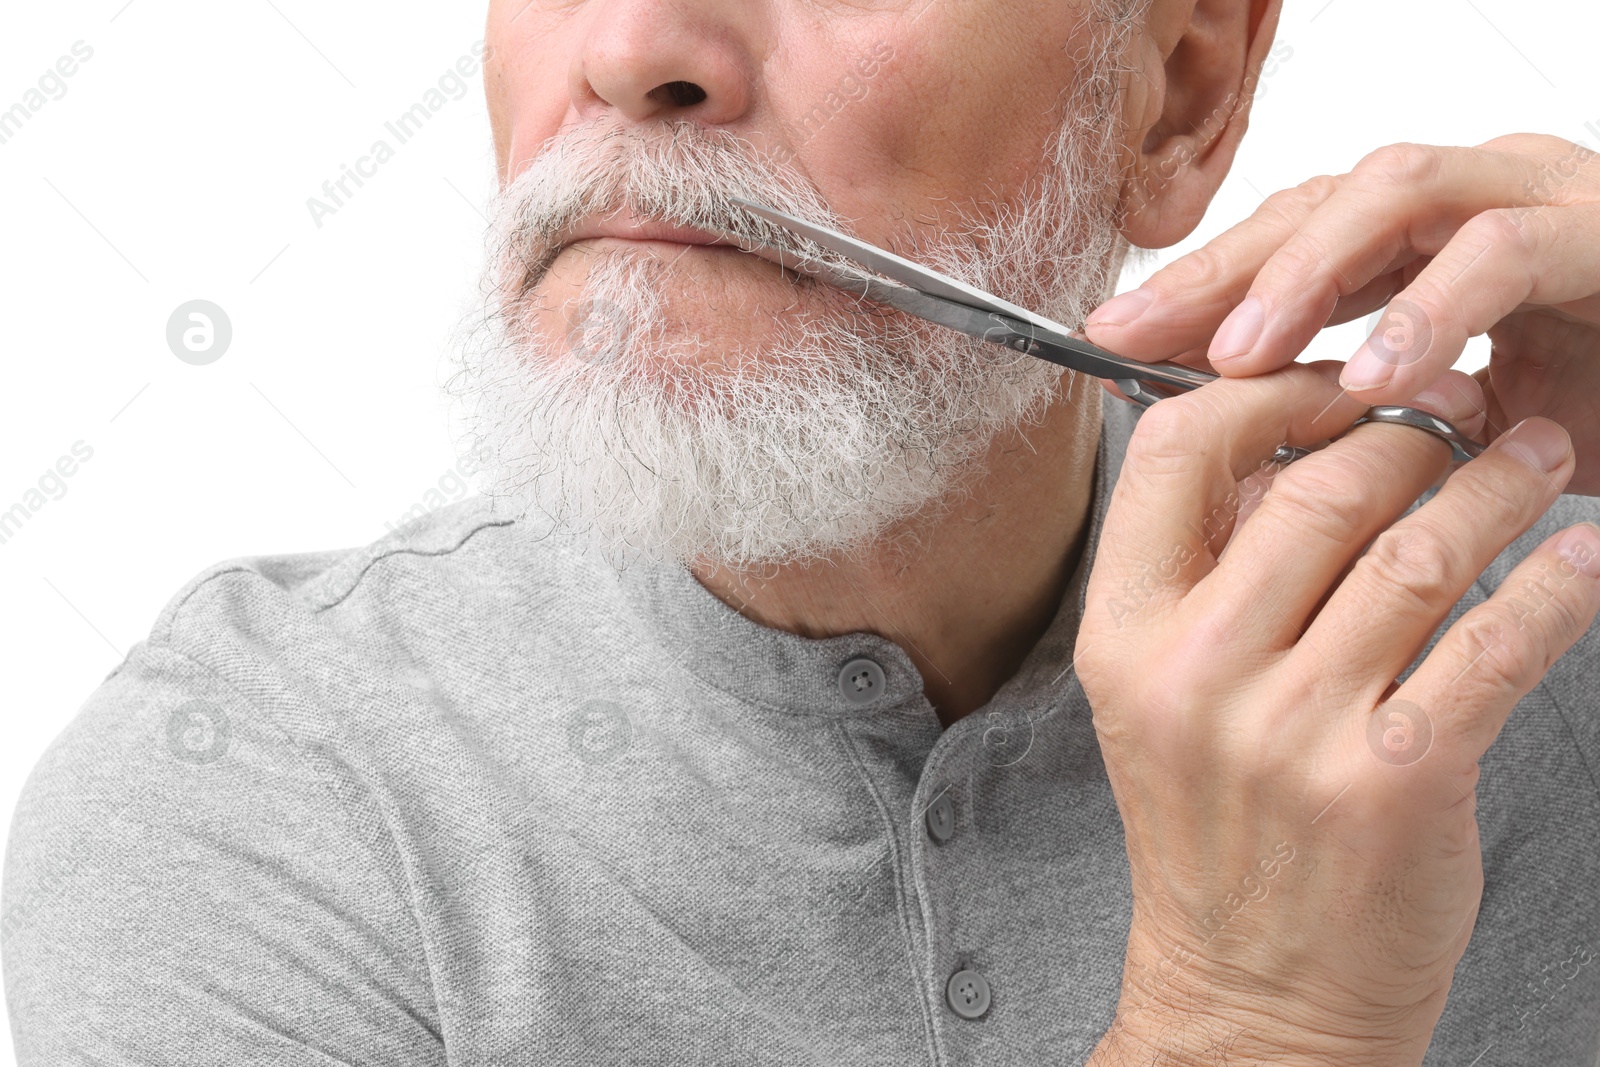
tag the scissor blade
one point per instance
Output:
(900, 269)
(999, 322)
(969, 320)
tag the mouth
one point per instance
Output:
(624, 229)
(625, 226)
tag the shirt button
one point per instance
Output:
(941, 818)
(967, 993)
(861, 681)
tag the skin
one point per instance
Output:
(1190, 671)
(896, 164)
(986, 582)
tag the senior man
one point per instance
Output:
(814, 686)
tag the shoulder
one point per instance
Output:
(314, 582)
(199, 861)
(415, 584)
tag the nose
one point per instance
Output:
(667, 59)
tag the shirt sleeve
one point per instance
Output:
(185, 883)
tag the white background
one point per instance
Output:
(178, 164)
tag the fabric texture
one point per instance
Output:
(467, 796)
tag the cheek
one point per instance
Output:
(525, 80)
(932, 115)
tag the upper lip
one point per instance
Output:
(627, 226)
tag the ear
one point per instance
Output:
(1188, 107)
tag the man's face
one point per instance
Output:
(687, 400)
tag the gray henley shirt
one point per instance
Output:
(468, 797)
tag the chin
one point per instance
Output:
(669, 311)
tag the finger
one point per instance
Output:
(1365, 300)
(1185, 461)
(1498, 261)
(1398, 592)
(1254, 487)
(1458, 398)
(1313, 523)
(1177, 309)
(1499, 650)
(1111, 387)
(1461, 401)
(1399, 200)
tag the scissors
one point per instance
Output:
(938, 298)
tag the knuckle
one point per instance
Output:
(1201, 269)
(1166, 433)
(1529, 143)
(1516, 229)
(1520, 141)
(1507, 655)
(1411, 561)
(1323, 498)
(1299, 259)
(1544, 599)
(1403, 164)
(1489, 503)
(1301, 198)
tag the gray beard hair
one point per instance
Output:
(845, 424)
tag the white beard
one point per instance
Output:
(842, 425)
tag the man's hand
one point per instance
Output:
(1503, 238)
(1301, 833)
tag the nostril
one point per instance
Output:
(684, 94)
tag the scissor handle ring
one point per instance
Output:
(1462, 447)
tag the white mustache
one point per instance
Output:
(680, 173)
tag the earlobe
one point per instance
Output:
(1168, 191)
(1194, 111)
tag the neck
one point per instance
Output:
(968, 592)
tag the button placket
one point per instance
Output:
(967, 992)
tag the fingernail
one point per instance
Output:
(1121, 310)
(1365, 370)
(1239, 332)
(1451, 404)
(1539, 443)
(1580, 546)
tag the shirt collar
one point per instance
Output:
(787, 672)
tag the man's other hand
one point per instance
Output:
(1503, 238)
(1300, 830)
